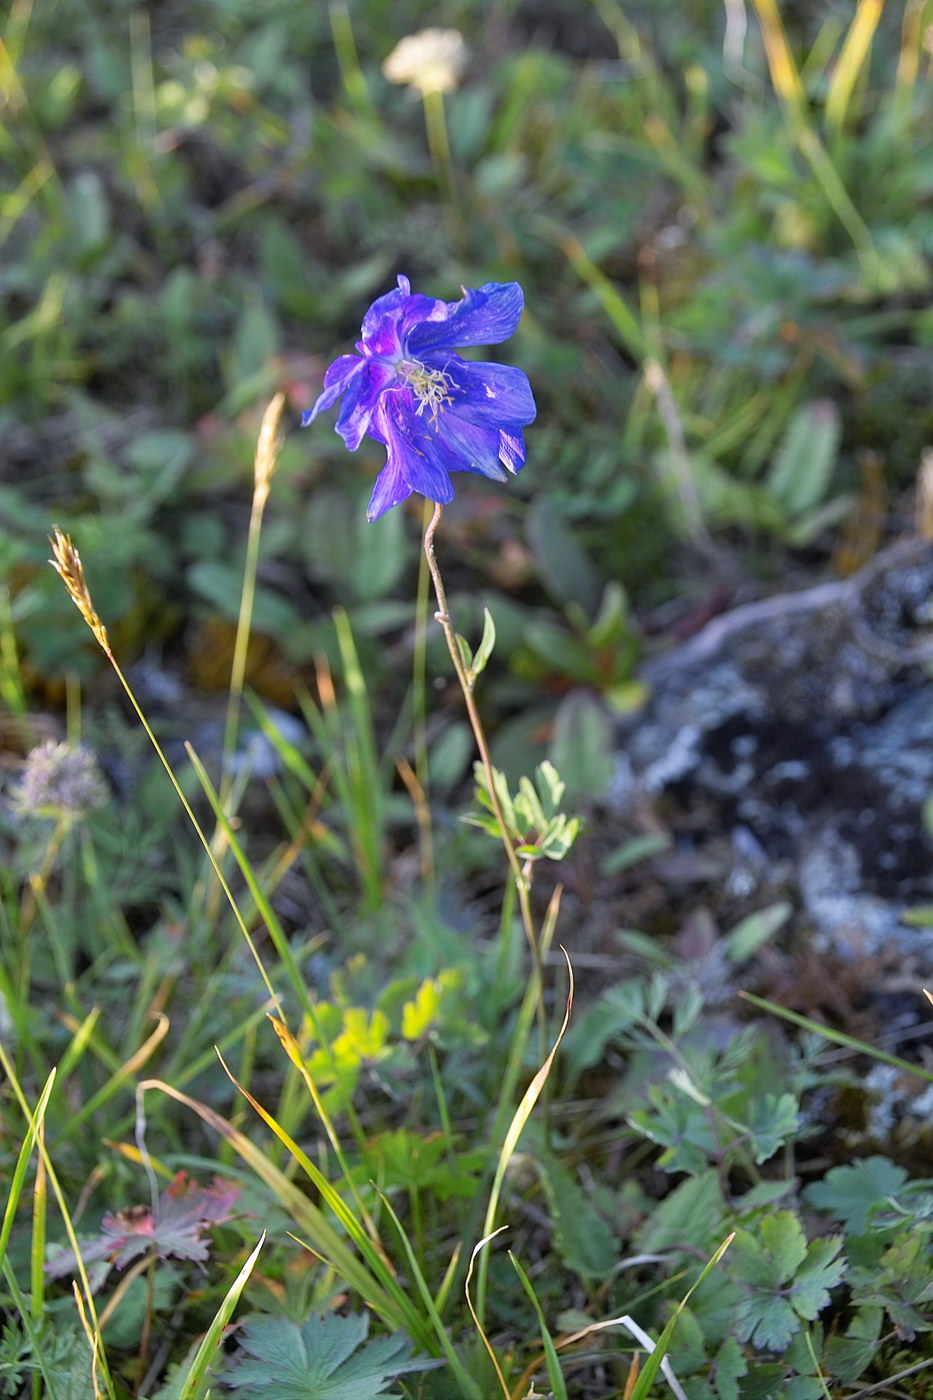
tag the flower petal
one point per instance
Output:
(338, 378)
(498, 396)
(385, 306)
(413, 444)
(412, 455)
(390, 490)
(461, 446)
(360, 402)
(512, 451)
(484, 316)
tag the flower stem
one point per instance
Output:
(419, 705)
(520, 873)
(435, 122)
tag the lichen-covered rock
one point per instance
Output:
(807, 719)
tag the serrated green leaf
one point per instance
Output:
(783, 1239)
(749, 1262)
(772, 1119)
(766, 1320)
(769, 1312)
(847, 1357)
(899, 1281)
(681, 1127)
(323, 1358)
(852, 1192)
(728, 1368)
(764, 1382)
(820, 1272)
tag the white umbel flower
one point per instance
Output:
(430, 61)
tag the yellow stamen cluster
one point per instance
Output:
(431, 387)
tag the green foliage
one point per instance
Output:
(898, 1279)
(726, 304)
(582, 1239)
(853, 1193)
(783, 1279)
(323, 1358)
(532, 818)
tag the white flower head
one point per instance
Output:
(431, 61)
(60, 780)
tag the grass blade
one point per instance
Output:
(191, 1389)
(838, 1037)
(555, 1374)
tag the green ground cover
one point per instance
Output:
(279, 1030)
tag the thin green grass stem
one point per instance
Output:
(262, 477)
(502, 984)
(468, 1385)
(17, 1180)
(29, 1327)
(286, 957)
(367, 811)
(658, 1356)
(83, 1296)
(12, 690)
(509, 1135)
(22, 1019)
(189, 812)
(555, 1374)
(348, 61)
(37, 1248)
(350, 761)
(67, 563)
(372, 1276)
(838, 1037)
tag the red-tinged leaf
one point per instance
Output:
(175, 1229)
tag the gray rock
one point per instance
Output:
(806, 720)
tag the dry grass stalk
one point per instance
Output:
(67, 562)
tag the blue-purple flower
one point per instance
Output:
(434, 412)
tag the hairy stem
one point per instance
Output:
(520, 874)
